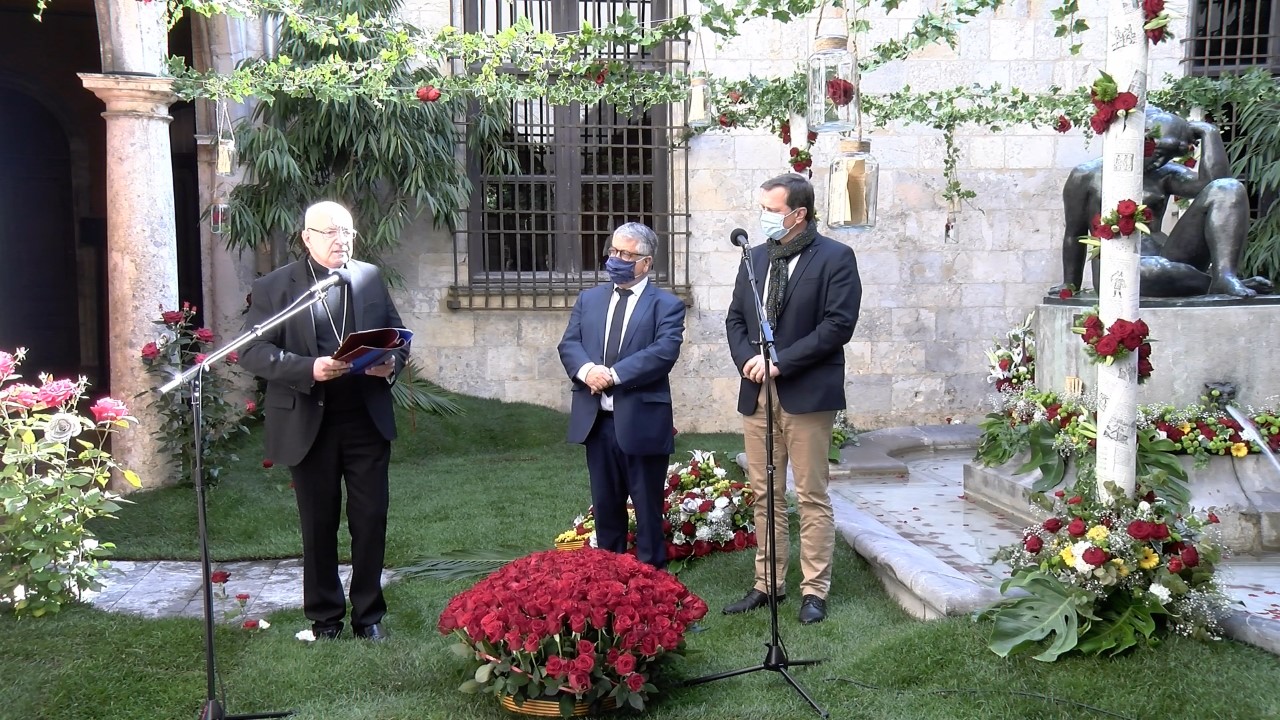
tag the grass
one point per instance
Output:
(502, 476)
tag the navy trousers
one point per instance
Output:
(614, 476)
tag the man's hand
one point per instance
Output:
(599, 379)
(383, 369)
(326, 368)
(753, 369)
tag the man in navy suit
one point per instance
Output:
(327, 424)
(622, 341)
(811, 297)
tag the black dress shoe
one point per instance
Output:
(751, 601)
(372, 633)
(813, 609)
(327, 632)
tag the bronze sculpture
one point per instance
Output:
(1200, 255)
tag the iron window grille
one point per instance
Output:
(536, 238)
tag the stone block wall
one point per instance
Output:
(933, 300)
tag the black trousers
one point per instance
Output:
(614, 476)
(348, 448)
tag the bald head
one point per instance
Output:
(329, 233)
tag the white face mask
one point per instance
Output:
(771, 224)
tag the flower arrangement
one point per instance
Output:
(179, 345)
(1105, 345)
(1127, 217)
(1013, 363)
(704, 512)
(1156, 27)
(1103, 576)
(1109, 103)
(842, 433)
(584, 626)
(55, 475)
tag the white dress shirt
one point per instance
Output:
(606, 399)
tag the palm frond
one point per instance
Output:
(413, 391)
(461, 564)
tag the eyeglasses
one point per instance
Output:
(334, 232)
(625, 255)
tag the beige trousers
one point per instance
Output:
(804, 440)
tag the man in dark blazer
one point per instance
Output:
(622, 340)
(326, 423)
(811, 294)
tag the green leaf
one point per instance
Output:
(1050, 609)
(1118, 628)
(461, 564)
(484, 673)
(470, 687)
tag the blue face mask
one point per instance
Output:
(771, 224)
(620, 271)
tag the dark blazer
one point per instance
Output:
(650, 347)
(816, 320)
(284, 357)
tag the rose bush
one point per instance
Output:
(587, 625)
(178, 346)
(53, 479)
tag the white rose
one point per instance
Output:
(62, 427)
(721, 472)
(703, 532)
(722, 502)
(1144, 507)
(1078, 550)
(1161, 592)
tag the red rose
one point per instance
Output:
(1159, 531)
(1140, 327)
(1149, 147)
(243, 597)
(635, 682)
(701, 548)
(1033, 544)
(1126, 225)
(1075, 500)
(1064, 124)
(840, 91)
(1145, 368)
(1155, 35)
(725, 121)
(1190, 556)
(688, 529)
(1093, 321)
(579, 682)
(1076, 528)
(1125, 101)
(1005, 363)
(150, 351)
(556, 666)
(204, 335)
(798, 166)
(428, 93)
(1139, 530)
(1095, 556)
(55, 392)
(1065, 294)
(1126, 208)
(625, 664)
(250, 406)
(1091, 334)
(1059, 493)
(649, 645)
(1152, 7)
(108, 410)
(1189, 163)
(217, 577)
(266, 463)
(250, 624)
(1107, 346)
(1213, 518)
(735, 96)
(1052, 525)
(1104, 232)
(812, 137)
(233, 357)
(173, 317)
(1144, 350)
(1175, 565)
(578, 623)
(199, 358)
(584, 663)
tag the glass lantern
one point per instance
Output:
(852, 187)
(833, 85)
(699, 103)
(225, 158)
(218, 216)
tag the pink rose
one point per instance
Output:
(625, 664)
(56, 392)
(108, 410)
(22, 394)
(635, 682)
(204, 335)
(7, 364)
(173, 317)
(579, 682)
(150, 351)
(200, 358)
(233, 357)
(250, 407)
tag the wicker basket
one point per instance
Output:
(549, 708)
(579, 543)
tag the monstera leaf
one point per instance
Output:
(1044, 456)
(1120, 625)
(1049, 608)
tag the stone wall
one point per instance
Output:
(932, 301)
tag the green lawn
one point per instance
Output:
(501, 476)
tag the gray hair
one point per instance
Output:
(646, 239)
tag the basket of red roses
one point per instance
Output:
(575, 630)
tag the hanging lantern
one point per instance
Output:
(833, 85)
(226, 157)
(218, 216)
(699, 103)
(852, 186)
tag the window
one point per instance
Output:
(534, 239)
(1233, 36)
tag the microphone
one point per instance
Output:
(336, 278)
(738, 237)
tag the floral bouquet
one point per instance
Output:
(1104, 345)
(568, 627)
(55, 475)
(705, 511)
(1013, 362)
(1103, 576)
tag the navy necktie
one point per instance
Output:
(614, 343)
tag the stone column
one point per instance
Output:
(1122, 152)
(142, 252)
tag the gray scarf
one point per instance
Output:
(779, 256)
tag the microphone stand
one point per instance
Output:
(775, 657)
(212, 708)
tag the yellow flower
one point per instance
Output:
(1121, 569)
(1149, 559)
(1097, 532)
(1239, 449)
(1068, 557)
(1185, 427)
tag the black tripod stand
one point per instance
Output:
(775, 657)
(212, 708)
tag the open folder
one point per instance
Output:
(369, 347)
